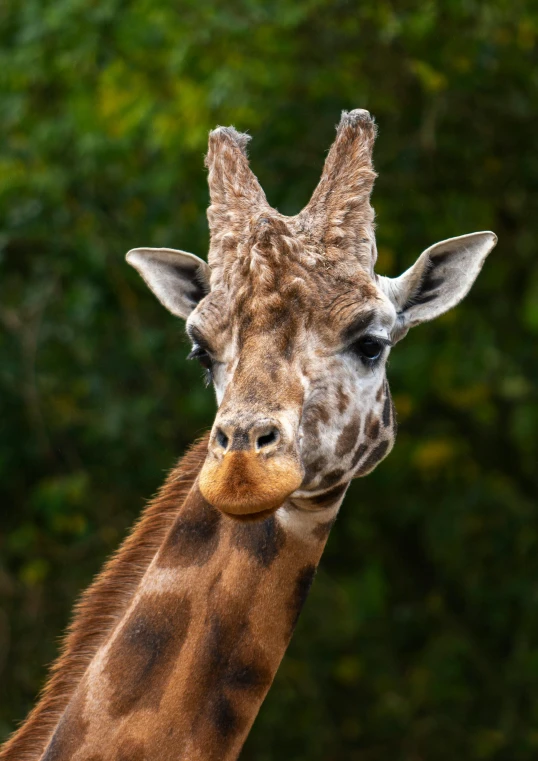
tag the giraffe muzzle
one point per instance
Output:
(249, 469)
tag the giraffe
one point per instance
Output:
(174, 646)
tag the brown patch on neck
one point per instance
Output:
(141, 658)
(130, 750)
(101, 607)
(262, 541)
(251, 602)
(194, 536)
(232, 670)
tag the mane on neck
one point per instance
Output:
(102, 605)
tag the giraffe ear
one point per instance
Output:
(178, 279)
(438, 280)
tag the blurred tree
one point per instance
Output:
(420, 639)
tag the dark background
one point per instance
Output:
(420, 638)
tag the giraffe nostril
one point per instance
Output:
(270, 437)
(222, 439)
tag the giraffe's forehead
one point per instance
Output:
(282, 289)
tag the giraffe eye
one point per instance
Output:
(368, 349)
(202, 356)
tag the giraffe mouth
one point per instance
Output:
(251, 517)
(246, 484)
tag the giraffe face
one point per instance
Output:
(297, 354)
(294, 328)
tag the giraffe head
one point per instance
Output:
(293, 326)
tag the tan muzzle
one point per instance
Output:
(247, 472)
(243, 484)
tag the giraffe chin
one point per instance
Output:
(245, 484)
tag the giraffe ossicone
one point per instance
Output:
(173, 647)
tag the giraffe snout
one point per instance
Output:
(250, 467)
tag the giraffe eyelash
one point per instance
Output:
(205, 359)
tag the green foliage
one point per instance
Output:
(420, 638)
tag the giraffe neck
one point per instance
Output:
(102, 606)
(185, 671)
